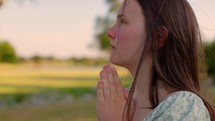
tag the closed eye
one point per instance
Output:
(122, 20)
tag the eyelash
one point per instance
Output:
(122, 20)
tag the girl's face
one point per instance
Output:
(127, 35)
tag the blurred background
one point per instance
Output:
(51, 52)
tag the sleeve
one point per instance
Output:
(184, 106)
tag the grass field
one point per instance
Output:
(76, 111)
(32, 79)
(20, 83)
(70, 92)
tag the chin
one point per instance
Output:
(116, 61)
(112, 60)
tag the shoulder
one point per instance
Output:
(181, 105)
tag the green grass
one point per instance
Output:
(36, 79)
(211, 95)
(78, 110)
(19, 82)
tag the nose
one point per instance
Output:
(111, 33)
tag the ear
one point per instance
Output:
(162, 36)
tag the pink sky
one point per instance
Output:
(65, 28)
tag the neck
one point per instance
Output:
(144, 75)
(141, 93)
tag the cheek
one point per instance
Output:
(131, 38)
(129, 47)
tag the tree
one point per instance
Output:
(104, 22)
(7, 53)
(36, 59)
(209, 50)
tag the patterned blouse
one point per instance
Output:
(181, 106)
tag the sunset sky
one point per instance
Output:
(65, 28)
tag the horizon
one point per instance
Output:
(65, 29)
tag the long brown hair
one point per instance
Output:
(1, 2)
(180, 61)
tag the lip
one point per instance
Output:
(112, 46)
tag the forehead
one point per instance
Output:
(130, 7)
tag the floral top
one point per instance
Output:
(181, 106)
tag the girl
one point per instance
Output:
(159, 42)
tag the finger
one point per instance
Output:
(126, 93)
(111, 81)
(100, 93)
(106, 88)
(100, 99)
(118, 86)
(99, 117)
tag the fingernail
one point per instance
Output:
(112, 68)
(105, 67)
(108, 67)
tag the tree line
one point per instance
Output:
(9, 55)
(102, 23)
